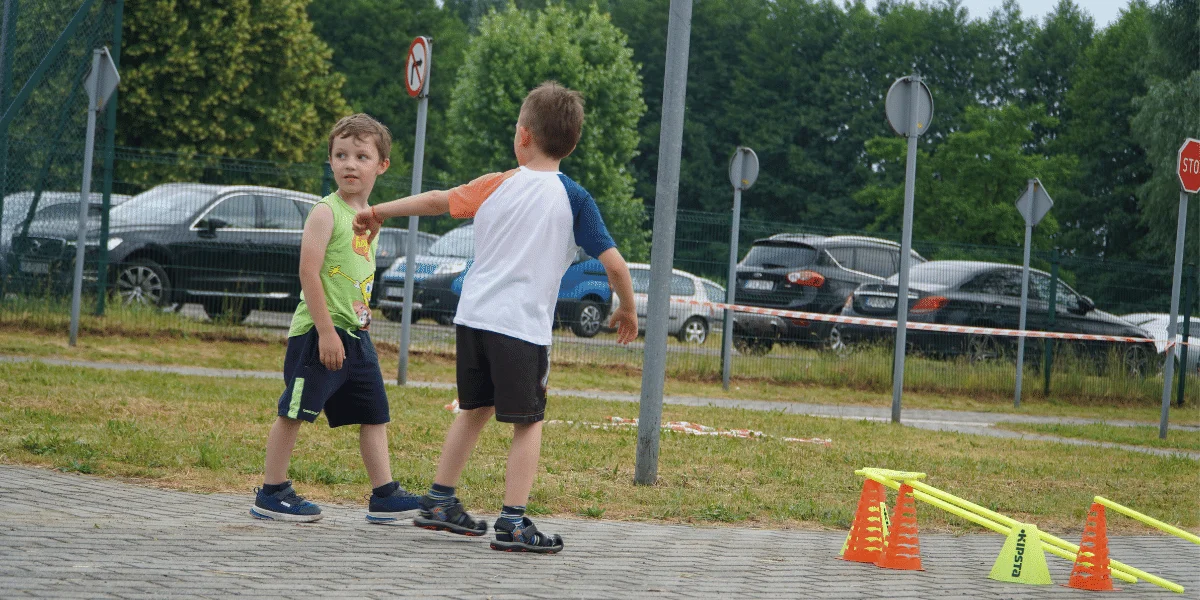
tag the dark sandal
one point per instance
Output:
(453, 518)
(527, 538)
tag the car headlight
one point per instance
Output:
(449, 268)
(114, 242)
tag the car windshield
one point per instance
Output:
(459, 242)
(774, 255)
(167, 205)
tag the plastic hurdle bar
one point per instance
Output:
(1147, 520)
(1001, 524)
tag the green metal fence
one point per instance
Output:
(203, 239)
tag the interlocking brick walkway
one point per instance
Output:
(75, 536)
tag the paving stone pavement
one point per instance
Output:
(76, 536)
(961, 421)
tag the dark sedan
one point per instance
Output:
(230, 248)
(986, 295)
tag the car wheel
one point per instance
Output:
(234, 310)
(394, 315)
(984, 348)
(589, 318)
(142, 282)
(694, 331)
(444, 318)
(835, 344)
(1137, 361)
(752, 346)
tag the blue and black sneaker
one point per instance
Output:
(389, 509)
(452, 518)
(525, 538)
(284, 505)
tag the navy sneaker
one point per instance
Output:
(389, 509)
(453, 518)
(284, 505)
(525, 538)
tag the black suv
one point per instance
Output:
(810, 273)
(230, 248)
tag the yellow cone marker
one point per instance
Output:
(1022, 560)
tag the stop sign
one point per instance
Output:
(1189, 166)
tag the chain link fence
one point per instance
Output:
(184, 241)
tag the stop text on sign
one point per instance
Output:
(1189, 166)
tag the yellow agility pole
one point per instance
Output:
(1115, 565)
(875, 475)
(1148, 520)
(1117, 568)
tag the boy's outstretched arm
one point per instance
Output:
(625, 317)
(425, 204)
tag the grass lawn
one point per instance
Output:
(207, 434)
(253, 351)
(1138, 436)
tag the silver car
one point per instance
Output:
(689, 323)
(1156, 325)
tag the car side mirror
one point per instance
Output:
(1086, 304)
(209, 227)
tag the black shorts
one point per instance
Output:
(352, 395)
(502, 371)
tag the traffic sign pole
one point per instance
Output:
(1024, 296)
(909, 108)
(417, 81)
(1169, 367)
(743, 171)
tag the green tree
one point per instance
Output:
(1045, 68)
(965, 188)
(515, 51)
(1098, 207)
(236, 78)
(1168, 114)
(370, 40)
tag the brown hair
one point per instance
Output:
(554, 115)
(362, 126)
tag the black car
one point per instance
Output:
(392, 246)
(61, 208)
(985, 294)
(810, 273)
(230, 248)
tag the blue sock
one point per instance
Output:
(513, 514)
(443, 495)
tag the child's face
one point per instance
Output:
(356, 164)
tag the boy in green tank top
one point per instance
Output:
(331, 364)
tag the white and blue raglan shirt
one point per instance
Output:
(527, 226)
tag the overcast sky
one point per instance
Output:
(1103, 11)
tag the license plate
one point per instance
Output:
(758, 284)
(877, 302)
(37, 267)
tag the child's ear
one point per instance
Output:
(383, 166)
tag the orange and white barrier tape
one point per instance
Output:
(794, 314)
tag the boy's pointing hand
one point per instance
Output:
(626, 321)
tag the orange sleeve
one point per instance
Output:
(466, 199)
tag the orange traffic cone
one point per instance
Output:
(1091, 570)
(902, 550)
(866, 532)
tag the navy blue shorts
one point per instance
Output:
(352, 395)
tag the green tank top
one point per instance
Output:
(348, 274)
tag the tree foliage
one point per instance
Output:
(235, 78)
(516, 50)
(370, 40)
(966, 187)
